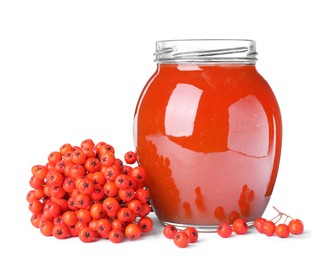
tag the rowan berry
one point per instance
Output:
(54, 177)
(118, 224)
(103, 227)
(46, 228)
(87, 143)
(87, 235)
(126, 194)
(60, 231)
(124, 214)
(135, 205)
(258, 224)
(282, 230)
(97, 211)
(133, 231)
(115, 236)
(143, 195)
(181, 239)
(36, 183)
(138, 173)
(84, 185)
(130, 157)
(170, 231)
(83, 201)
(98, 194)
(92, 165)
(36, 206)
(39, 171)
(145, 224)
(105, 148)
(65, 148)
(83, 215)
(224, 229)
(269, 228)
(36, 220)
(78, 156)
(55, 156)
(122, 181)
(296, 227)
(240, 226)
(111, 206)
(192, 233)
(145, 210)
(110, 189)
(107, 159)
(70, 218)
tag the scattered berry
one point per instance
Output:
(130, 157)
(269, 228)
(282, 230)
(181, 239)
(296, 227)
(240, 226)
(224, 229)
(170, 231)
(258, 224)
(192, 233)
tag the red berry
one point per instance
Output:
(146, 224)
(296, 227)
(282, 230)
(192, 234)
(61, 231)
(181, 239)
(130, 157)
(116, 236)
(122, 181)
(133, 231)
(240, 226)
(170, 231)
(87, 235)
(258, 224)
(138, 173)
(224, 229)
(269, 228)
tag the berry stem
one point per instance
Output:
(280, 213)
(279, 216)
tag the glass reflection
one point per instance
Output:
(182, 107)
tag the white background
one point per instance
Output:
(71, 70)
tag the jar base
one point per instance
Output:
(199, 228)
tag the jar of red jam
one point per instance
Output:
(208, 131)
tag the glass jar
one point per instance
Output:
(208, 131)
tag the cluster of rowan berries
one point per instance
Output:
(277, 226)
(85, 191)
(183, 237)
(281, 225)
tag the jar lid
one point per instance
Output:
(206, 51)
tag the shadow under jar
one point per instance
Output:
(208, 131)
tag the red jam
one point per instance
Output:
(209, 137)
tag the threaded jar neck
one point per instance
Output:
(206, 51)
